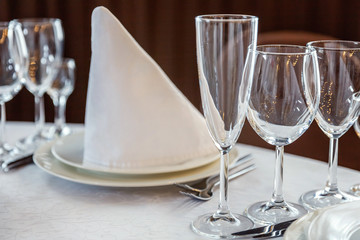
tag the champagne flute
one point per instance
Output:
(44, 39)
(13, 59)
(339, 64)
(283, 101)
(59, 92)
(222, 43)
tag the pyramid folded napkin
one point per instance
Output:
(135, 116)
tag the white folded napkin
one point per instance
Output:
(339, 222)
(135, 116)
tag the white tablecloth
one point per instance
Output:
(36, 205)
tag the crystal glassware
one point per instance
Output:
(339, 64)
(59, 92)
(357, 127)
(283, 101)
(13, 60)
(44, 39)
(222, 43)
(355, 189)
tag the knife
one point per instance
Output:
(23, 159)
(275, 230)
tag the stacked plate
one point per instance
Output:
(64, 158)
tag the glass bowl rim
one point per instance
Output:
(307, 50)
(355, 48)
(226, 18)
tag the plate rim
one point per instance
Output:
(97, 179)
(189, 164)
(299, 224)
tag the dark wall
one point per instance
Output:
(165, 29)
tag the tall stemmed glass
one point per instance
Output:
(59, 92)
(357, 127)
(44, 39)
(283, 101)
(13, 59)
(222, 43)
(339, 64)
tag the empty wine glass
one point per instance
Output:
(44, 39)
(13, 59)
(222, 43)
(355, 189)
(59, 92)
(283, 101)
(357, 127)
(339, 64)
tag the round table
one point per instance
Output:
(37, 205)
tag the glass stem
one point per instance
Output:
(60, 106)
(277, 196)
(223, 208)
(39, 114)
(2, 124)
(331, 184)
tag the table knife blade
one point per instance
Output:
(265, 231)
(17, 162)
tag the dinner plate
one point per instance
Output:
(299, 229)
(70, 150)
(46, 161)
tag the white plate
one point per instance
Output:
(299, 229)
(70, 150)
(45, 160)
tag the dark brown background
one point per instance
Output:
(165, 29)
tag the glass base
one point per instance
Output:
(54, 132)
(221, 226)
(355, 190)
(317, 199)
(31, 143)
(266, 213)
(7, 151)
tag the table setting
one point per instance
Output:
(148, 164)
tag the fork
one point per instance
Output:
(203, 183)
(207, 193)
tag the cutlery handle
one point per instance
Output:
(215, 178)
(238, 173)
(13, 163)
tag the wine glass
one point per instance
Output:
(13, 59)
(222, 43)
(44, 39)
(357, 127)
(283, 101)
(59, 92)
(355, 189)
(339, 64)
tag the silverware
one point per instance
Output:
(15, 162)
(203, 183)
(207, 193)
(270, 231)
